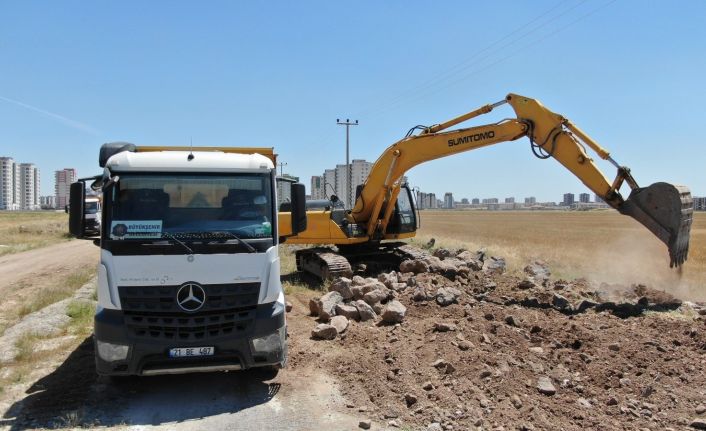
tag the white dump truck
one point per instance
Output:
(92, 209)
(189, 273)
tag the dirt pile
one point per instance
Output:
(473, 347)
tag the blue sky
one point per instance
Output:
(630, 73)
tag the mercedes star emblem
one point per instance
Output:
(190, 297)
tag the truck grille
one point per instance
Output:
(152, 312)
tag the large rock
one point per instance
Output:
(324, 331)
(348, 311)
(327, 305)
(527, 283)
(399, 287)
(342, 285)
(358, 280)
(340, 323)
(373, 285)
(416, 266)
(374, 297)
(389, 279)
(472, 260)
(394, 312)
(698, 423)
(314, 306)
(442, 253)
(561, 303)
(494, 265)
(539, 271)
(545, 386)
(357, 291)
(419, 294)
(366, 311)
(447, 296)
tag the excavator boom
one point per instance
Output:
(663, 208)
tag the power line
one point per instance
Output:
(414, 94)
(390, 104)
(459, 67)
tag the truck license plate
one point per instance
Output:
(184, 352)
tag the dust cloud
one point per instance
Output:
(634, 258)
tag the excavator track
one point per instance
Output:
(323, 263)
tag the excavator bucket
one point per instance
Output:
(666, 210)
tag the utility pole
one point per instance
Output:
(347, 123)
(281, 168)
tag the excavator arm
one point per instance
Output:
(665, 209)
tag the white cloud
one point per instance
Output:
(64, 120)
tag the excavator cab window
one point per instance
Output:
(404, 218)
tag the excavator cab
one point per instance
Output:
(404, 217)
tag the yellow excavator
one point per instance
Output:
(385, 213)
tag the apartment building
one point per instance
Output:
(62, 185)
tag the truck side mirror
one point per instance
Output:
(77, 217)
(298, 202)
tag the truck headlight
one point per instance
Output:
(112, 352)
(270, 343)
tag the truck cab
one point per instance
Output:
(92, 210)
(189, 272)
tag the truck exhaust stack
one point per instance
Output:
(666, 210)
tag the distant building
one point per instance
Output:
(448, 200)
(62, 185)
(569, 199)
(584, 198)
(509, 200)
(19, 185)
(317, 187)
(700, 204)
(47, 202)
(475, 201)
(10, 184)
(335, 181)
(530, 200)
(490, 201)
(330, 183)
(597, 199)
(464, 201)
(426, 200)
(29, 187)
(284, 191)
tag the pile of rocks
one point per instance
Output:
(376, 300)
(360, 299)
(455, 264)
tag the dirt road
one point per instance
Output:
(28, 275)
(43, 265)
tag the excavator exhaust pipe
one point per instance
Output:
(666, 210)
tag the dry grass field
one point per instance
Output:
(20, 231)
(599, 245)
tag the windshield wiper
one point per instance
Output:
(250, 248)
(172, 237)
(205, 235)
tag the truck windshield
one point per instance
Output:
(191, 206)
(91, 207)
